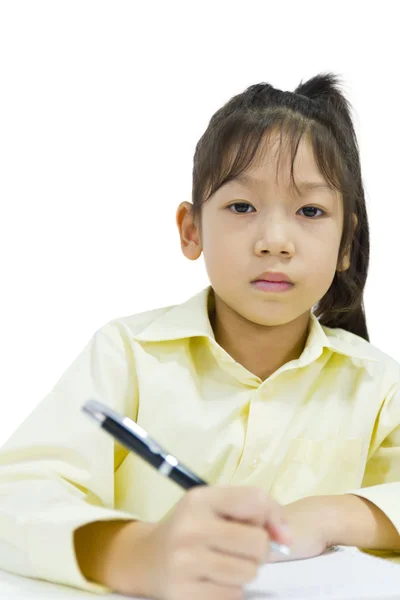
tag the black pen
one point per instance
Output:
(135, 438)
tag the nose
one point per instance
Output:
(275, 238)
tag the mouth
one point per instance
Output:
(272, 286)
(273, 277)
(270, 281)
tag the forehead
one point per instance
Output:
(273, 162)
(272, 165)
(303, 185)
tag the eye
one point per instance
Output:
(246, 204)
(242, 204)
(313, 208)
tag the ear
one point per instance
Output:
(189, 231)
(346, 260)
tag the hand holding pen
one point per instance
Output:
(211, 543)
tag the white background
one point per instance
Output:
(101, 106)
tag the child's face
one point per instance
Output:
(268, 231)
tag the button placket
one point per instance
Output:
(250, 460)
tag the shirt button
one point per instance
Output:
(254, 463)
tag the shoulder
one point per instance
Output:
(379, 361)
(132, 325)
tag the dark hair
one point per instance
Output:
(318, 109)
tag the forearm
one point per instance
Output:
(354, 521)
(92, 547)
(101, 546)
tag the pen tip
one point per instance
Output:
(280, 548)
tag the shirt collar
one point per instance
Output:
(191, 319)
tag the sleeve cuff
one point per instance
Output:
(50, 544)
(385, 496)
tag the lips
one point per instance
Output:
(274, 280)
(273, 277)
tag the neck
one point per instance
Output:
(260, 349)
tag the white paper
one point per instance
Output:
(344, 574)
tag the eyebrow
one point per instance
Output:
(302, 185)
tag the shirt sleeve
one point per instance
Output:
(57, 469)
(381, 481)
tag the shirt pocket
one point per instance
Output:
(317, 467)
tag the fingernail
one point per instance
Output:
(284, 528)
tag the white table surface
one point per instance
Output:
(342, 574)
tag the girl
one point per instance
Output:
(270, 391)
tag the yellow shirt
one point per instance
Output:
(325, 423)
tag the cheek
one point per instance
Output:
(321, 271)
(219, 242)
(223, 258)
(324, 249)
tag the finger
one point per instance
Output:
(250, 505)
(223, 569)
(240, 503)
(237, 539)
